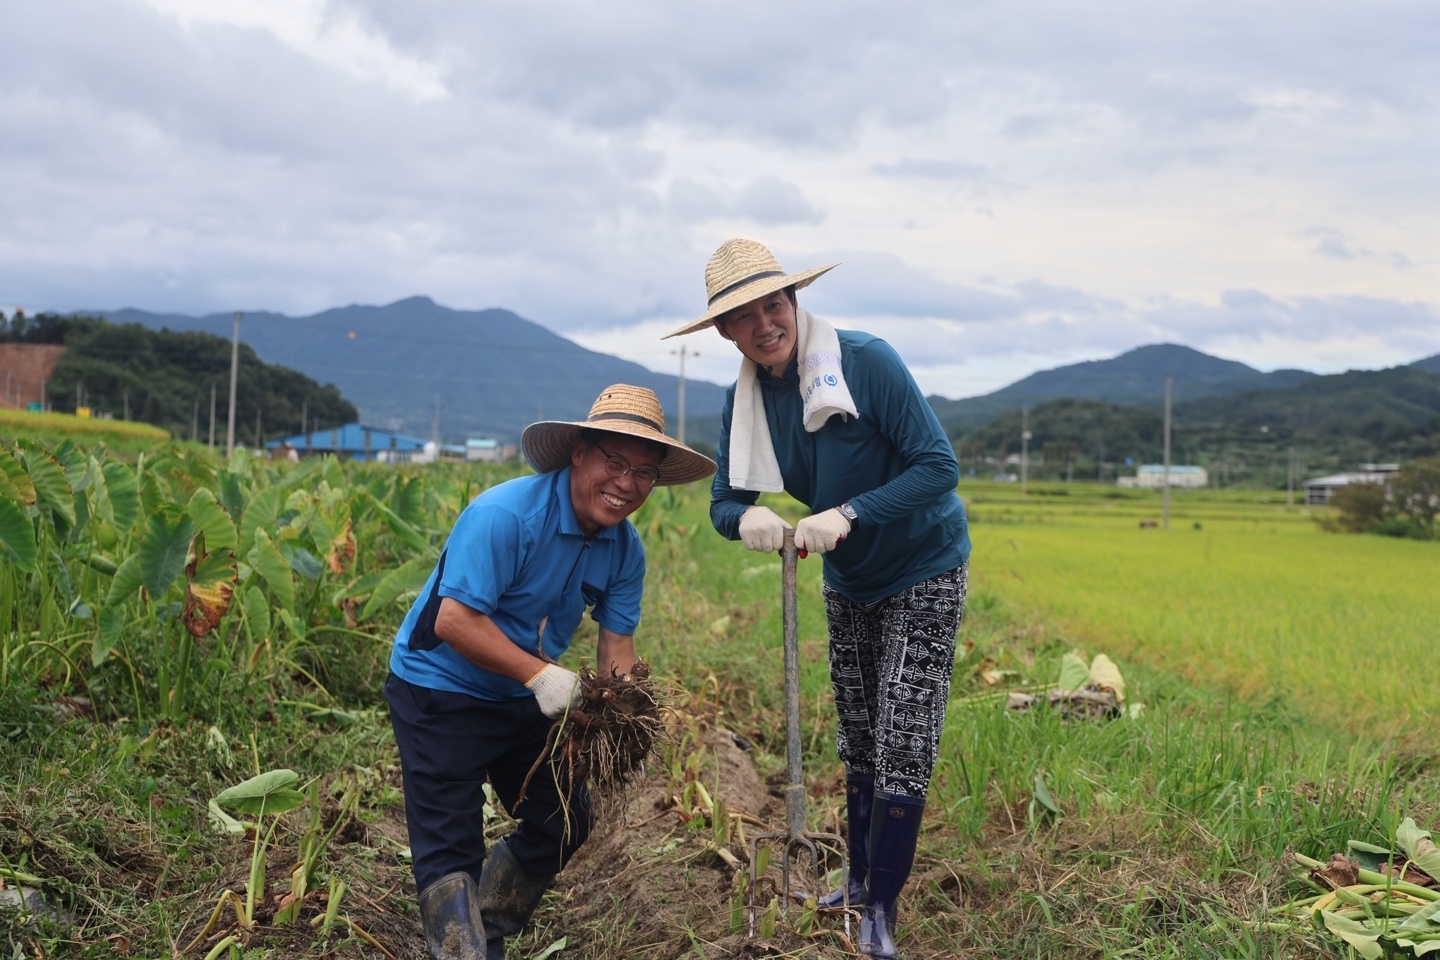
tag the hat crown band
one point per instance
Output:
(627, 418)
(742, 283)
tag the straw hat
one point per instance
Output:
(740, 271)
(628, 411)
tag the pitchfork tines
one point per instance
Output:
(796, 841)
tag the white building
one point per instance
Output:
(1321, 490)
(484, 449)
(1153, 475)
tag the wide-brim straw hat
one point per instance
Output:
(740, 271)
(628, 411)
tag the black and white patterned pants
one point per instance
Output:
(890, 664)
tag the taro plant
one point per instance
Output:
(273, 794)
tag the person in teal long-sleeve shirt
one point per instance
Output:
(835, 419)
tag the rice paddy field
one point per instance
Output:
(1241, 592)
(1280, 696)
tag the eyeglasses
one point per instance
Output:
(617, 466)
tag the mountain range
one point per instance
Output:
(1134, 378)
(491, 371)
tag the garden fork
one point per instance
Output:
(796, 840)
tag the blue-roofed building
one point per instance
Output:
(355, 441)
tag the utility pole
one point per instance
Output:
(126, 400)
(1165, 489)
(683, 348)
(42, 395)
(259, 441)
(234, 375)
(1024, 451)
(435, 427)
(304, 414)
(212, 416)
(195, 421)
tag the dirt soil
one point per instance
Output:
(646, 885)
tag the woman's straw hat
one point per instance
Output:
(623, 409)
(740, 271)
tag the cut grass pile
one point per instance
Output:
(1162, 825)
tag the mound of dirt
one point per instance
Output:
(650, 884)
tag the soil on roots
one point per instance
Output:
(611, 731)
(650, 883)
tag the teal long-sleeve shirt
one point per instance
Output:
(892, 463)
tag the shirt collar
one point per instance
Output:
(569, 523)
(791, 374)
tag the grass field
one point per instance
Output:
(1240, 591)
(50, 428)
(1171, 827)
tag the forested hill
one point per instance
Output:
(165, 377)
(1331, 422)
(491, 371)
(1136, 377)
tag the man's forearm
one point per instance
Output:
(475, 637)
(614, 652)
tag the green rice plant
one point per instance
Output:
(1257, 601)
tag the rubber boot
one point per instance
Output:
(894, 830)
(508, 896)
(859, 799)
(450, 913)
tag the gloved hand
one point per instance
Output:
(819, 533)
(556, 689)
(762, 530)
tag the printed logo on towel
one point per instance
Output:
(830, 379)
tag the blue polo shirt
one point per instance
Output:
(517, 555)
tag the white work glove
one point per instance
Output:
(819, 533)
(762, 530)
(556, 690)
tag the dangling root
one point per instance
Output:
(607, 736)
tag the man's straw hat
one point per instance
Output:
(740, 271)
(623, 409)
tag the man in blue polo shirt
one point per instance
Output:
(474, 686)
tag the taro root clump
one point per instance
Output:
(607, 736)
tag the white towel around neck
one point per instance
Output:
(753, 465)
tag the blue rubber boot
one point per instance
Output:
(859, 800)
(894, 831)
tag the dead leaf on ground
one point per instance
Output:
(1341, 871)
(1411, 875)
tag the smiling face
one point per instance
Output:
(599, 499)
(763, 330)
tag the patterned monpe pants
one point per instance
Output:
(890, 664)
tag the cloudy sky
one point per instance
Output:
(1009, 186)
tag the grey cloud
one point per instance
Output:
(1333, 246)
(770, 202)
(212, 167)
(767, 201)
(934, 169)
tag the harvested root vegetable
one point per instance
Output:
(607, 736)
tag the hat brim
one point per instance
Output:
(751, 291)
(547, 446)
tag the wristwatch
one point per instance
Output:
(848, 512)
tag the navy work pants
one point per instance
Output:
(450, 744)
